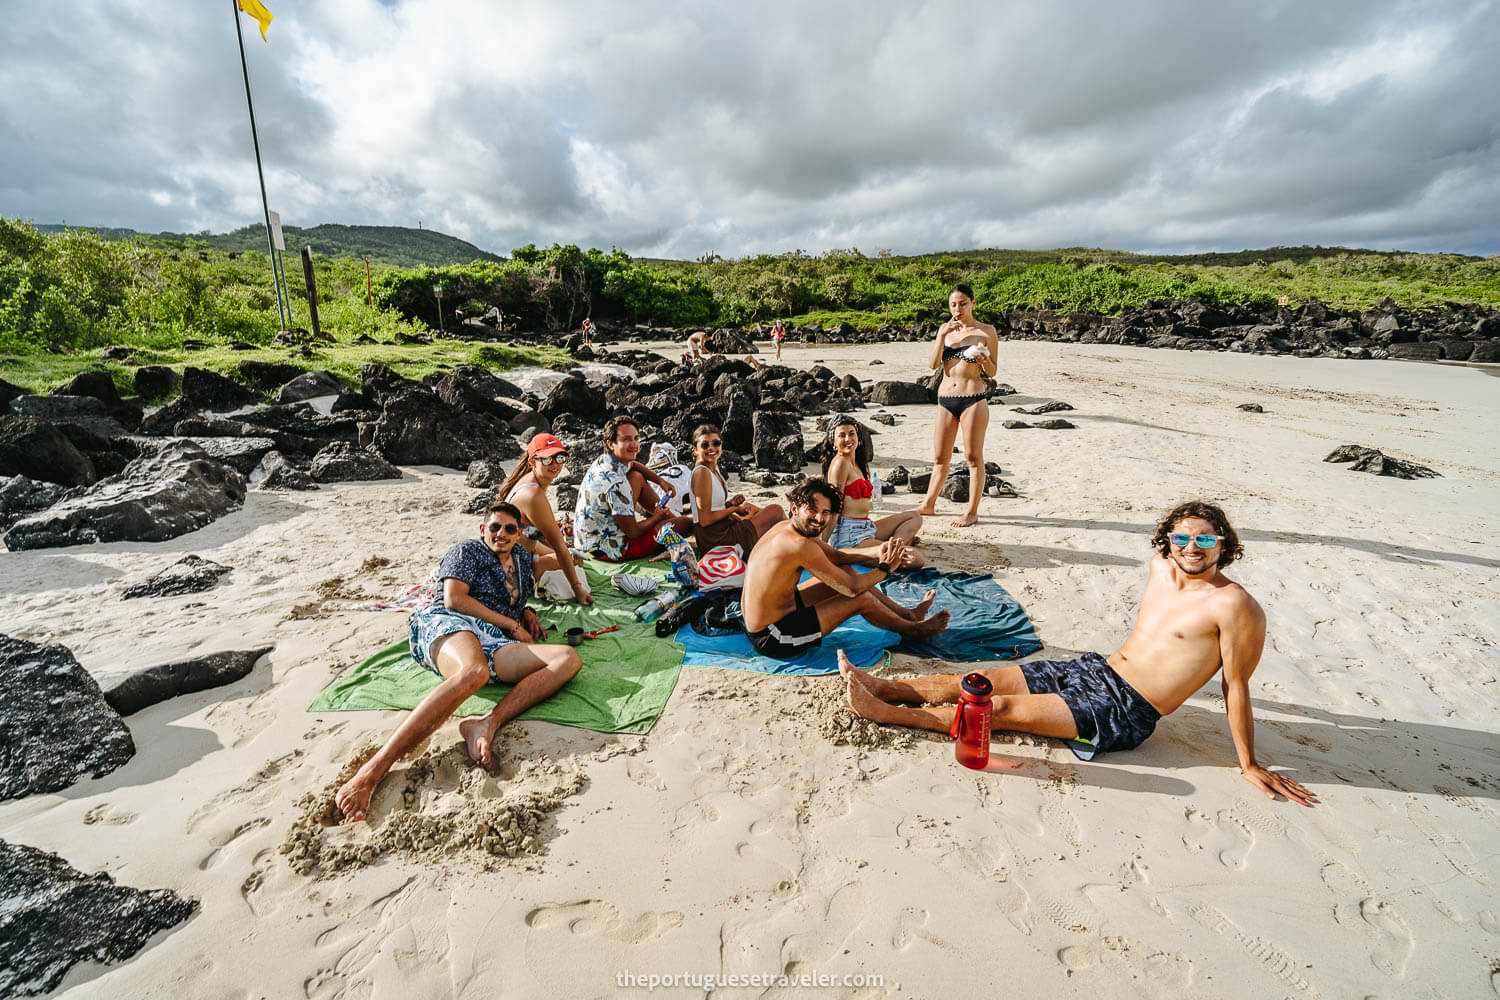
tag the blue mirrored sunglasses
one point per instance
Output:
(1180, 540)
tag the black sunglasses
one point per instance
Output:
(495, 527)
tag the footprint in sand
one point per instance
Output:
(1125, 958)
(1280, 964)
(1395, 943)
(596, 918)
(1229, 839)
(108, 815)
(809, 951)
(221, 840)
(644, 774)
(911, 925)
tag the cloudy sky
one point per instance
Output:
(677, 128)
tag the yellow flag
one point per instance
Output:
(258, 11)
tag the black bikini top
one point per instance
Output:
(952, 352)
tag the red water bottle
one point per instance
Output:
(971, 722)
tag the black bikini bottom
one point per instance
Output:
(956, 405)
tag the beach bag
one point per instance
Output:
(723, 616)
(721, 568)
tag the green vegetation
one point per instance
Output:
(396, 246)
(66, 296)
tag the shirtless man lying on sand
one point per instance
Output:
(477, 629)
(1193, 621)
(785, 620)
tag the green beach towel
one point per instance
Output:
(624, 685)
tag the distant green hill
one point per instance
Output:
(397, 246)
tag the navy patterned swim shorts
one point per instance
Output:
(1109, 713)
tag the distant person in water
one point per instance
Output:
(785, 618)
(619, 509)
(1193, 622)
(476, 630)
(965, 350)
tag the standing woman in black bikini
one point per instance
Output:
(965, 349)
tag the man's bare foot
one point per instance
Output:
(353, 799)
(926, 510)
(863, 703)
(881, 689)
(912, 559)
(477, 736)
(967, 521)
(929, 628)
(919, 612)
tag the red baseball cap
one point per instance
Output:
(545, 444)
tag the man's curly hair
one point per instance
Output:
(1230, 548)
(803, 493)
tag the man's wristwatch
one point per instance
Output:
(884, 567)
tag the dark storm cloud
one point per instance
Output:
(739, 128)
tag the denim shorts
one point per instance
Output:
(431, 622)
(851, 531)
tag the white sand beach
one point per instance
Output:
(756, 831)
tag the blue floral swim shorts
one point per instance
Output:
(431, 622)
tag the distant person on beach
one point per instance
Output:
(847, 451)
(1193, 622)
(785, 618)
(965, 350)
(619, 509)
(477, 630)
(588, 332)
(723, 519)
(697, 343)
(778, 335)
(526, 488)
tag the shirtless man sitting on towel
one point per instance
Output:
(1192, 622)
(785, 619)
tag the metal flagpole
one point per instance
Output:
(255, 139)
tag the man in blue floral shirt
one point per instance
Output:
(608, 519)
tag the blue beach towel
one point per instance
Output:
(986, 623)
(863, 643)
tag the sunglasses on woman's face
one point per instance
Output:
(710, 443)
(495, 528)
(1181, 540)
(553, 460)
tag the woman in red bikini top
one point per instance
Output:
(846, 465)
(965, 350)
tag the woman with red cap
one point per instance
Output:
(526, 487)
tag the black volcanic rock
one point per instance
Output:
(777, 443)
(168, 680)
(1378, 463)
(208, 390)
(158, 496)
(279, 474)
(417, 428)
(52, 916)
(38, 450)
(55, 726)
(899, 393)
(342, 462)
(188, 575)
(574, 395)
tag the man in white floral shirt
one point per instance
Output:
(618, 511)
